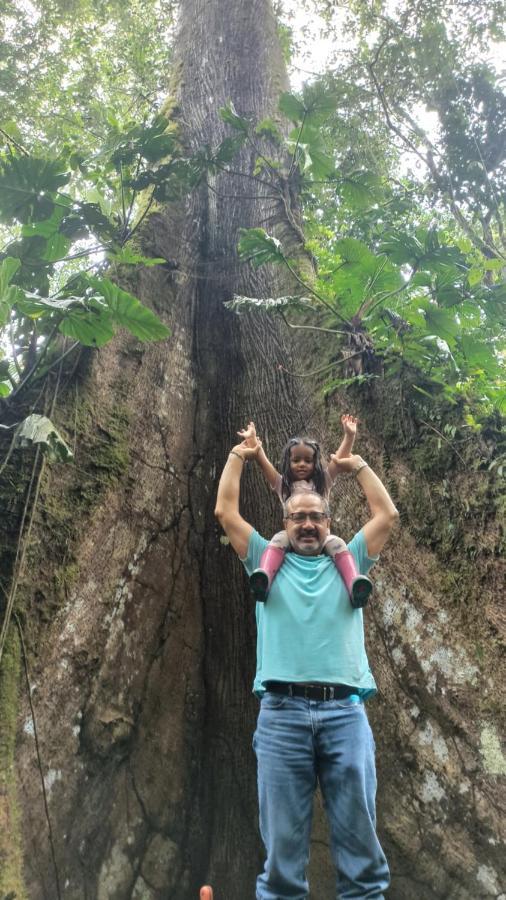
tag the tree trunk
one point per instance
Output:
(138, 623)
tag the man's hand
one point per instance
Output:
(248, 450)
(346, 464)
(249, 434)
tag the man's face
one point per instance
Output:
(307, 537)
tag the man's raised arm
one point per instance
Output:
(383, 512)
(227, 502)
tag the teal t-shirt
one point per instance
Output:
(307, 630)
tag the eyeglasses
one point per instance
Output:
(300, 517)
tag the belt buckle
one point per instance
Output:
(290, 690)
(328, 689)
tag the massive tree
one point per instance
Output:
(138, 630)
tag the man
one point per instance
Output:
(312, 677)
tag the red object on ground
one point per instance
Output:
(206, 893)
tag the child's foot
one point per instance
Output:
(206, 893)
(259, 585)
(361, 588)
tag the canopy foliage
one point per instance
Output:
(397, 152)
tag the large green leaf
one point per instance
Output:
(361, 190)
(128, 312)
(39, 430)
(321, 165)
(230, 115)
(354, 251)
(9, 293)
(258, 247)
(8, 269)
(240, 304)
(269, 128)
(442, 322)
(480, 354)
(92, 326)
(292, 107)
(28, 185)
(320, 101)
(226, 151)
(56, 244)
(126, 256)
(401, 247)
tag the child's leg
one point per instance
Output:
(270, 563)
(358, 586)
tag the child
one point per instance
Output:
(302, 470)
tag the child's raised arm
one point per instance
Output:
(249, 435)
(345, 448)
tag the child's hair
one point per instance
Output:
(318, 475)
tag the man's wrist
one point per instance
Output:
(239, 455)
(359, 465)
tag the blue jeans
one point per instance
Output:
(298, 742)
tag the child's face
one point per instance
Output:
(301, 462)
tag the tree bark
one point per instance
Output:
(138, 622)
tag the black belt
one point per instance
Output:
(312, 691)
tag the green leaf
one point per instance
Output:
(480, 354)
(126, 256)
(322, 166)
(34, 306)
(96, 220)
(226, 151)
(4, 368)
(230, 115)
(361, 190)
(47, 227)
(319, 102)
(401, 248)
(128, 312)
(240, 304)
(9, 293)
(8, 269)
(269, 128)
(474, 276)
(40, 430)
(354, 251)
(5, 389)
(258, 247)
(92, 327)
(292, 107)
(442, 322)
(27, 185)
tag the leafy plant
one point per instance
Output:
(64, 211)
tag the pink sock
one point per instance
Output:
(271, 561)
(347, 567)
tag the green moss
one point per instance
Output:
(103, 441)
(11, 857)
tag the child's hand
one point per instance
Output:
(249, 435)
(349, 424)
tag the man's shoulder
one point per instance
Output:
(256, 546)
(358, 546)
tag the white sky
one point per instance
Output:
(319, 52)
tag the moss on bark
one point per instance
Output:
(11, 857)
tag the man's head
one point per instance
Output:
(306, 521)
